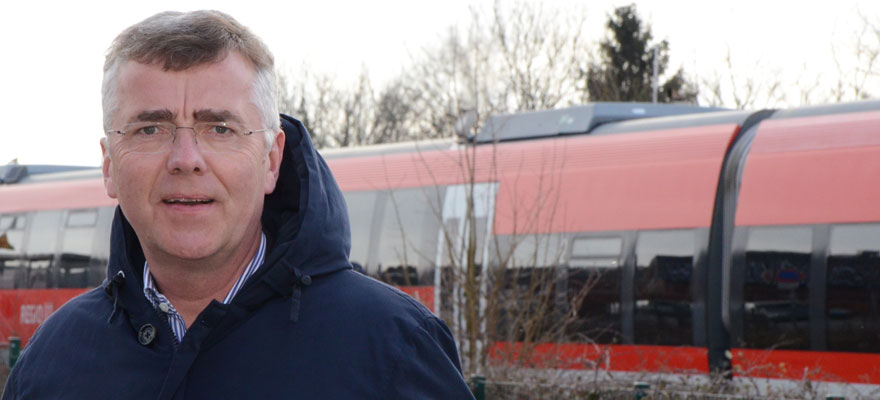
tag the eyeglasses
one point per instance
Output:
(156, 137)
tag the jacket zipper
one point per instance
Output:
(164, 317)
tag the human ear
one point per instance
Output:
(109, 185)
(276, 153)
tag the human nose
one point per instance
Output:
(184, 157)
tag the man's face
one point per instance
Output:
(187, 202)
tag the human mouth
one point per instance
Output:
(187, 201)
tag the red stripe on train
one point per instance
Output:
(628, 358)
(22, 311)
(424, 294)
(777, 364)
(812, 365)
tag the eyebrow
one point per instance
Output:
(215, 116)
(164, 115)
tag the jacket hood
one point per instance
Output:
(304, 219)
(306, 216)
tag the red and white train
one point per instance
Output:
(726, 240)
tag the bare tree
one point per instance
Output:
(540, 51)
(358, 112)
(854, 83)
(393, 115)
(292, 98)
(334, 117)
(857, 62)
(515, 58)
(731, 87)
(315, 100)
(447, 80)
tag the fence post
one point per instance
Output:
(478, 386)
(641, 389)
(14, 350)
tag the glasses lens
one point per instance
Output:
(219, 136)
(155, 137)
(147, 137)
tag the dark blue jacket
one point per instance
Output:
(305, 326)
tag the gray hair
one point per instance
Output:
(179, 41)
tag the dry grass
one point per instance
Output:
(550, 384)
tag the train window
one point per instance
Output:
(101, 249)
(12, 222)
(596, 252)
(40, 250)
(776, 306)
(79, 232)
(528, 251)
(528, 268)
(76, 249)
(593, 280)
(11, 249)
(409, 237)
(853, 288)
(82, 218)
(361, 208)
(664, 267)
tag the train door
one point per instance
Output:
(467, 215)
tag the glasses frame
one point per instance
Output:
(130, 128)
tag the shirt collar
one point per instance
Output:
(153, 295)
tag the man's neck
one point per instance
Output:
(190, 285)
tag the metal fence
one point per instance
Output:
(484, 389)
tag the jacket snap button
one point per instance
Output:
(147, 334)
(306, 280)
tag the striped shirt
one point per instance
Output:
(161, 303)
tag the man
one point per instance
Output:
(228, 275)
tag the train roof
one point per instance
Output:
(828, 109)
(16, 173)
(576, 120)
(673, 122)
(389, 148)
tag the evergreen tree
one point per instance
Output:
(626, 68)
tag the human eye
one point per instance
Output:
(148, 129)
(218, 130)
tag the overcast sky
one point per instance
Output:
(53, 51)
